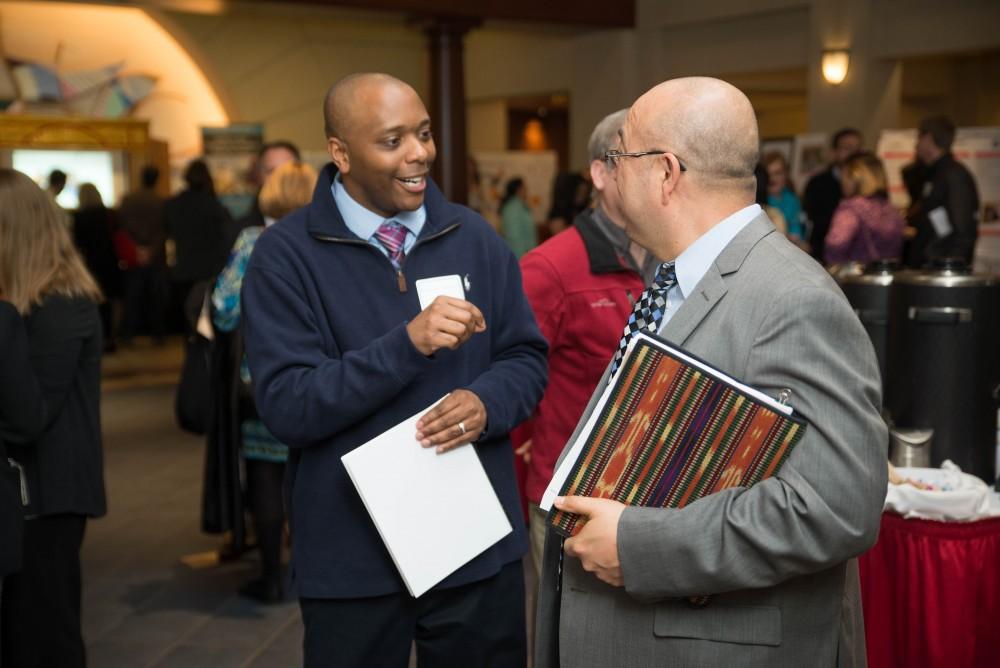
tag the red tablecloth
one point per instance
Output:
(931, 593)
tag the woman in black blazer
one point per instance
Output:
(22, 418)
(43, 276)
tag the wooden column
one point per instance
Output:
(447, 103)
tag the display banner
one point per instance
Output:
(231, 154)
(496, 168)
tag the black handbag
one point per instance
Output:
(193, 401)
(13, 498)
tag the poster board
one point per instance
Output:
(810, 155)
(231, 155)
(783, 145)
(496, 168)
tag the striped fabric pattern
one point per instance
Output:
(670, 434)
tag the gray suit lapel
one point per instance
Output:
(712, 287)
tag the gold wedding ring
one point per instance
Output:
(461, 425)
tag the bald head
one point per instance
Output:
(351, 96)
(709, 124)
(379, 138)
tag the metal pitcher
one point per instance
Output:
(910, 448)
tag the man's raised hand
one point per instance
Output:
(447, 323)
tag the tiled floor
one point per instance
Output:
(143, 604)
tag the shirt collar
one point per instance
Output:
(622, 245)
(614, 234)
(692, 264)
(363, 222)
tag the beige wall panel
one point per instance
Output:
(778, 123)
(965, 88)
(486, 124)
(606, 79)
(914, 27)
(276, 68)
(501, 63)
(306, 123)
(765, 42)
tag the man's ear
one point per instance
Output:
(339, 154)
(671, 170)
(600, 175)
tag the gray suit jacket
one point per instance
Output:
(776, 556)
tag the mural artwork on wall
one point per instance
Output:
(106, 92)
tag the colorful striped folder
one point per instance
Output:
(673, 430)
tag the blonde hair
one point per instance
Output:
(89, 197)
(37, 256)
(286, 189)
(867, 174)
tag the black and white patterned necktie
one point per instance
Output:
(648, 312)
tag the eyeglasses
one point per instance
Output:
(611, 157)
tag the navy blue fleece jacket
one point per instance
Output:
(324, 316)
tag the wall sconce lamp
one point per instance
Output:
(835, 64)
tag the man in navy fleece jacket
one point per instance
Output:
(340, 351)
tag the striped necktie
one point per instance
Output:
(648, 312)
(392, 236)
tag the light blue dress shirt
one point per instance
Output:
(692, 264)
(365, 223)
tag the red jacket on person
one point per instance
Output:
(581, 292)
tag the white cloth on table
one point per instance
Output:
(955, 497)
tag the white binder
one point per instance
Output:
(435, 513)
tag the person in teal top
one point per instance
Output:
(518, 224)
(781, 196)
(288, 188)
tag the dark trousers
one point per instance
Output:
(479, 624)
(264, 481)
(144, 302)
(40, 611)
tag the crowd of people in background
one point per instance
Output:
(170, 262)
(842, 215)
(154, 259)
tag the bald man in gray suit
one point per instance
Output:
(776, 558)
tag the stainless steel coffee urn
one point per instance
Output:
(867, 289)
(944, 362)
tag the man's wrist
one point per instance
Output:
(482, 433)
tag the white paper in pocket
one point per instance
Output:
(940, 221)
(429, 289)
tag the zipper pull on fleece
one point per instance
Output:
(401, 280)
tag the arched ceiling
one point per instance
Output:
(71, 37)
